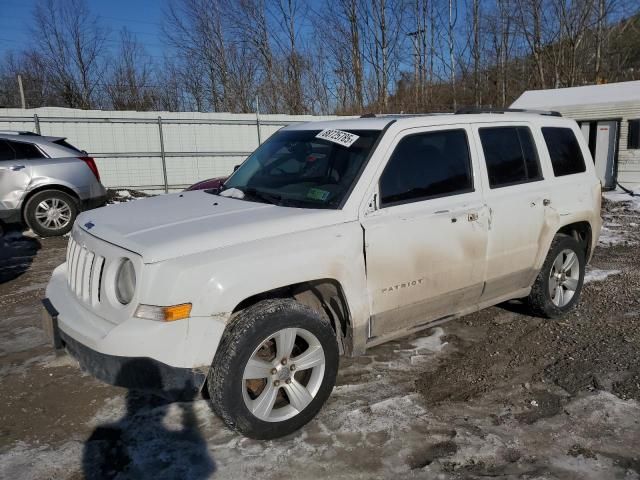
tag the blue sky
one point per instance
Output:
(141, 17)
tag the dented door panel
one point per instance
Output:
(425, 260)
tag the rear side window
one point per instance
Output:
(510, 155)
(25, 150)
(427, 165)
(6, 152)
(564, 150)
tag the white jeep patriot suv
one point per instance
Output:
(332, 237)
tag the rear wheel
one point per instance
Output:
(51, 212)
(559, 283)
(274, 369)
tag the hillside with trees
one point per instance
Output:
(328, 56)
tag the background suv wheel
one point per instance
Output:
(51, 212)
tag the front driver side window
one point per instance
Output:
(427, 165)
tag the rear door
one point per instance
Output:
(15, 173)
(515, 195)
(425, 245)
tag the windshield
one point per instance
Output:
(296, 168)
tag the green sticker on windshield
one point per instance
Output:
(317, 194)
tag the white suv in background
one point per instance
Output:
(332, 237)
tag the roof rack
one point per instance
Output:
(467, 110)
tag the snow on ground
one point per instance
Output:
(124, 195)
(598, 275)
(619, 195)
(373, 411)
(621, 215)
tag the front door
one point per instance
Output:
(426, 243)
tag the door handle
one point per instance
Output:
(15, 168)
(472, 216)
(546, 202)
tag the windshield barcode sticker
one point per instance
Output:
(345, 139)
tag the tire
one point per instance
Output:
(541, 300)
(36, 217)
(240, 395)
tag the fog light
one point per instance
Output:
(164, 314)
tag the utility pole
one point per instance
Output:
(24, 105)
(258, 118)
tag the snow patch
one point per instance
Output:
(432, 343)
(33, 462)
(598, 275)
(618, 195)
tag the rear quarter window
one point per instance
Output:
(25, 150)
(564, 151)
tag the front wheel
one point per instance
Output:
(559, 283)
(274, 369)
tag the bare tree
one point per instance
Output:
(129, 83)
(251, 27)
(476, 50)
(383, 27)
(195, 29)
(529, 18)
(453, 18)
(72, 46)
(288, 14)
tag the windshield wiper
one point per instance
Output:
(261, 196)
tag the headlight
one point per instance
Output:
(125, 282)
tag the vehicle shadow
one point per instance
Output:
(140, 445)
(16, 254)
(515, 306)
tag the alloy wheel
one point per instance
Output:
(283, 375)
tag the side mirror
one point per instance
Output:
(236, 168)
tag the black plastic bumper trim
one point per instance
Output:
(137, 373)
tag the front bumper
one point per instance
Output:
(140, 373)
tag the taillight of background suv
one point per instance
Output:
(92, 165)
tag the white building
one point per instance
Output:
(609, 116)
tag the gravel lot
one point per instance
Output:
(494, 394)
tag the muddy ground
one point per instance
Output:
(495, 394)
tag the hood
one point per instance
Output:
(174, 225)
